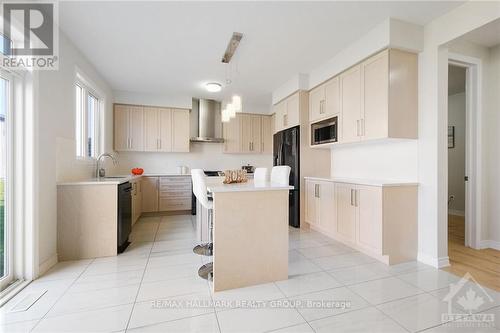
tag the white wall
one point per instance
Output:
(56, 138)
(456, 155)
(395, 160)
(433, 110)
(492, 150)
(178, 101)
(207, 156)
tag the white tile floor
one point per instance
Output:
(154, 287)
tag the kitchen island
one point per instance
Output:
(250, 233)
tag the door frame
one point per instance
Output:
(473, 144)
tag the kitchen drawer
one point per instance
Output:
(175, 194)
(175, 180)
(168, 204)
(173, 187)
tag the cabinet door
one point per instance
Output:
(231, 134)
(292, 111)
(245, 121)
(151, 129)
(316, 103)
(311, 193)
(180, 130)
(375, 73)
(267, 135)
(256, 122)
(165, 126)
(369, 226)
(350, 92)
(279, 116)
(327, 206)
(121, 128)
(346, 212)
(136, 128)
(331, 105)
(149, 194)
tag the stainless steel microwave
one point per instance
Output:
(324, 131)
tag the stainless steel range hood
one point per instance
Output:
(206, 123)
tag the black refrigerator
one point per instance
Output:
(286, 151)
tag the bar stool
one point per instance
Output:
(260, 175)
(200, 192)
(281, 175)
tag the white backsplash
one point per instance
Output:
(207, 156)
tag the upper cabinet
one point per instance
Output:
(180, 130)
(129, 131)
(248, 133)
(151, 129)
(376, 99)
(324, 100)
(287, 112)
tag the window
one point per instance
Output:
(6, 254)
(87, 121)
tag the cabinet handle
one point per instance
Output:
(250, 146)
(356, 198)
(319, 189)
(351, 198)
(131, 143)
(362, 126)
(262, 146)
(321, 106)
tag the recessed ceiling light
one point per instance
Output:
(213, 87)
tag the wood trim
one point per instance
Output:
(151, 106)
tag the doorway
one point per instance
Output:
(464, 220)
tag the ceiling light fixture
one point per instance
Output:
(213, 87)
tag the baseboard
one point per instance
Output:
(47, 264)
(490, 244)
(432, 261)
(456, 212)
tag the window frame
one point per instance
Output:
(81, 116)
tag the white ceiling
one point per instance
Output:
(173, 48)
(488, 35)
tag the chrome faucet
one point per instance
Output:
(98, 164)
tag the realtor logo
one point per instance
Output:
(30, 35)
(468, 303)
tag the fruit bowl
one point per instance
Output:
(137, 171)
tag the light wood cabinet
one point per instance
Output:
(320, 205)
(232, 137)
(369, 222)
(376, 99)
(157, 129)
(346, 213)
(136, 199)
(180, 130)
(350, 96)
(129, 128)
(166, 193)
(267, 135)
(324, 100)
(150, 194)
(248, 133)
(287, 112)
(151, 129)
(380, 221)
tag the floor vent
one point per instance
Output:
(28, 300)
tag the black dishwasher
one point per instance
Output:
(124, 215)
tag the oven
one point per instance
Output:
(324, 131)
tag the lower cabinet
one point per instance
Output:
(380, 221)
(136, 199)
(166, 193)
(320, 208)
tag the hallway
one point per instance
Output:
(483, 265)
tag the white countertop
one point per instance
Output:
(215, 185)
(118, 179)
(368, 182)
